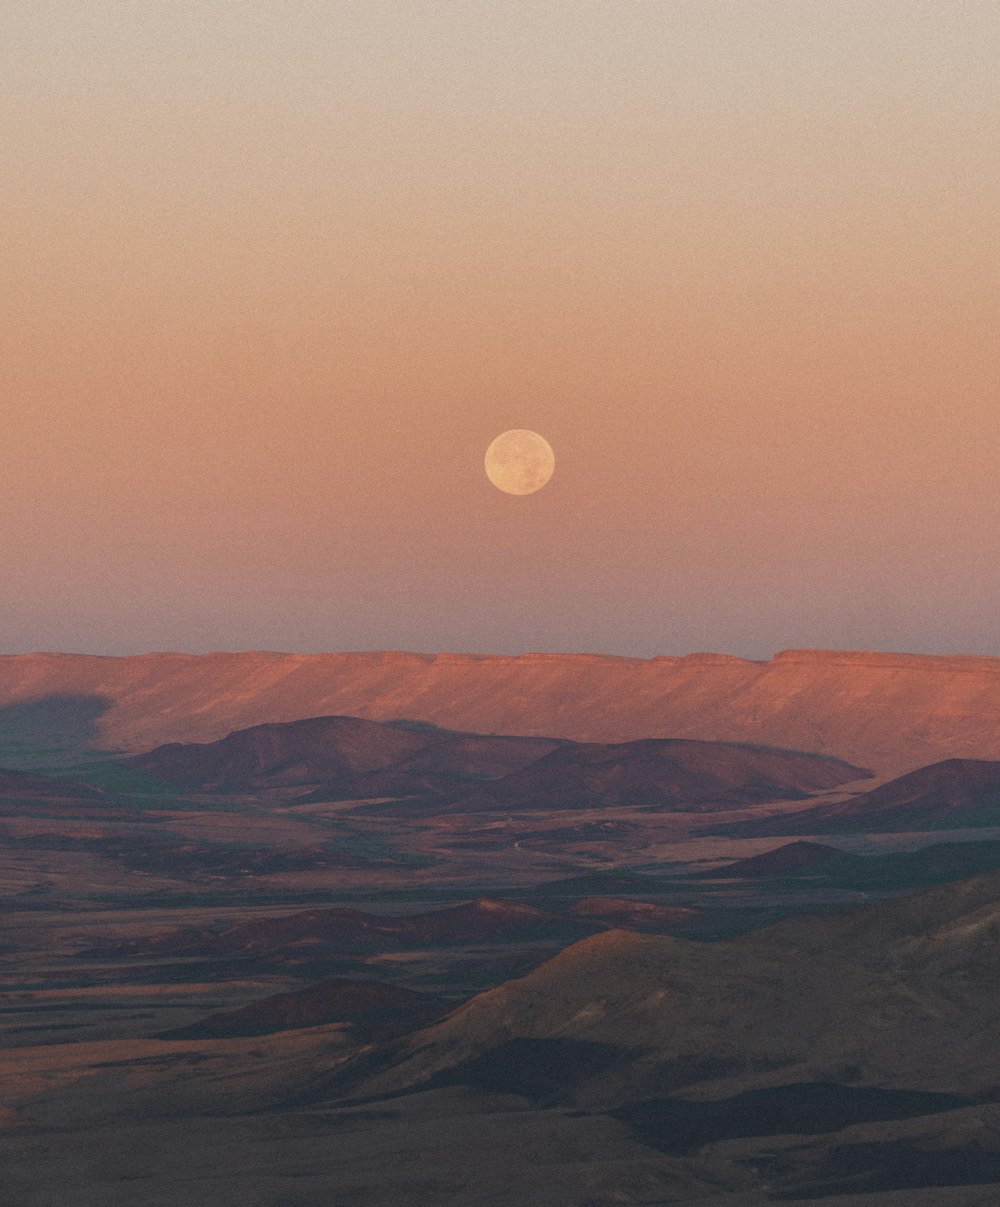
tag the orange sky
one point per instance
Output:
(275, 275)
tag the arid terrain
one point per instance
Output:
(387, 929)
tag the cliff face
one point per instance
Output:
(889, 712)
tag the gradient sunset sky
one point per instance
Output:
(275, 274)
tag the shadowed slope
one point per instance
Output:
(269, 756)
(794, 858)
(375, 1011)
(351, 758)
(953, 794)
(668, 773)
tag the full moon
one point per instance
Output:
(520, 462)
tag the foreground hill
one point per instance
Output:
(897, 995)
(953, 794)
(891, 712)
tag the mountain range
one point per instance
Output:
(887, 712)
(351, 759)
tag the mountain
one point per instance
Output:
(890, 712)
(665, 773)
(953, 794)
(281, 755)
(898, 995)
(354, 759)
(350, 757)
(373, 1010)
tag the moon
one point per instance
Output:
(520, 462)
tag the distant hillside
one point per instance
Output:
(954, 794)
(890, 712)
(792, 859)
(355, 759)
(937, 863)
(666, 773)
(351, 758)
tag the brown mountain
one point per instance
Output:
(441, 770)
(898, 995)
(374, 1011)
(665, 773)
(953, 794)
(891, 712)
(351, 758)
(281, 755)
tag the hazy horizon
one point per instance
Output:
(276, 276)
(141, 652)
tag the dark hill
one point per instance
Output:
(939, 863)
(374, 1010)
(792, 859)
(349, 758)
(281, 755)
(440, 771)
(954, 794)
(345, 758)
(661, 773)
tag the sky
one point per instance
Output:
(274, 275)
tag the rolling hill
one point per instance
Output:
(953, 794)
(350, 758)
(664, 773)
(897, 995)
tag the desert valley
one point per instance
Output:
(393, 929)
(658, 337)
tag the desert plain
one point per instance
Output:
(290, 930)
